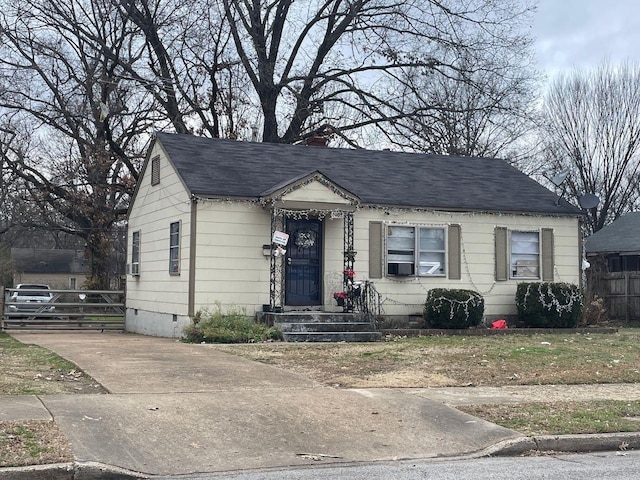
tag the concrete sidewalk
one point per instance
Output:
(177, 408)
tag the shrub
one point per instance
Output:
(214, 326)
(453, 308)
(594, 312)
(548, 304)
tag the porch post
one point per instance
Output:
(276, 263)
(349, 258)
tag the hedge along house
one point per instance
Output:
(207, 216)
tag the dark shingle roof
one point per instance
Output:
(228, 168)
(621, 236)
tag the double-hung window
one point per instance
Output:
(525, 254)
(174, 248)
(416, 250)
(135, 253)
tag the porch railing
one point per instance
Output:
(367, 302)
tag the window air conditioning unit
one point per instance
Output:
(401, 269)
(133, 269)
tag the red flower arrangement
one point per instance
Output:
(337, 295)
(349, 273)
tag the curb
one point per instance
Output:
(70, 471)
(595, 442)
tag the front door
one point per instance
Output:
(303, 265)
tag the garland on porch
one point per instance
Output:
(313, 178)
(386, 210)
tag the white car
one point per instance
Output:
(30, 297)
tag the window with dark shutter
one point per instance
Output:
(375, 250)
(547, 255)
(455, 254)
(502, 261)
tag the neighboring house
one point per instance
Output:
(618, 244)
(614, 273)
(205, 211)
(60, 269)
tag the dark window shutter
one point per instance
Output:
(502, 256)
(547, 255)
(375, 250)
(454, 253)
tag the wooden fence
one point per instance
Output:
(66, 310)
(621, 293)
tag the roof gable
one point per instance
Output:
(228, 168)
(312, 188)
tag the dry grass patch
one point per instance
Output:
(562, 418)
(33, 370)
(460, 360)
(32, 443)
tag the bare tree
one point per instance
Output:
(480, 112)
(77, 125)
(593, 130)
(295, 67)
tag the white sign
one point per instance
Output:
(280, 238)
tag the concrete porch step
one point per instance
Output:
(317, 326)
(308, 317)
(312, 327)
(332, 336)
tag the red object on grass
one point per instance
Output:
(499, 324)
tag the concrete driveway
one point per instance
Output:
(177, 408)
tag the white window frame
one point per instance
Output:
(174, 248)
(135, 253)
(413, 263)
(525, 258)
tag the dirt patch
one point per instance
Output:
(32, 443)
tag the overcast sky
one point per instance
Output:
(581, 33)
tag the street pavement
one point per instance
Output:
(177, 409)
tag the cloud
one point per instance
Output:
(583, 33)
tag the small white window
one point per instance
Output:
(174, 248)
(525, 254)
(135, 253)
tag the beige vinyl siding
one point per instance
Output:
(333, 259)
(154, 209)
(231, 267)
(314, 192)
(405, 295)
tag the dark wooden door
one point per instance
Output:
(303, 265)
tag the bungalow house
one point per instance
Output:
(274, 227)
(618, 244)
(614, 274)
(58, 268)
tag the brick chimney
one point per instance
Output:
(316, 141)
